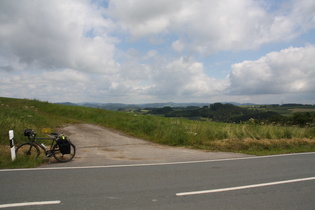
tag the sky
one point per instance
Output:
(142, 51)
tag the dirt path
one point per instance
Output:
(98, 145)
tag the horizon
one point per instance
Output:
(168, 102)
(223, 102)
(116, 51)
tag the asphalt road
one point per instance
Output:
(160, 186)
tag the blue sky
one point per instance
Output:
(141, 51)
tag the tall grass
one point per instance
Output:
(19, 114)
(5, 160)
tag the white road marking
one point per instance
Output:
(244, 187)
(29, 204)
(157, 164)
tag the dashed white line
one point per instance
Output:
(29, 204)
(244, 187)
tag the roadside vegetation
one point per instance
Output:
(247, 137)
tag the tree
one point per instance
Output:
(302, 119)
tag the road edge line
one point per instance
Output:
(157, 164)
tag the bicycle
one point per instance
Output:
(61, 147)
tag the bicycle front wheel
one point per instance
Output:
(27, 150)
(63, 157)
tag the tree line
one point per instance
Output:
(234, 114)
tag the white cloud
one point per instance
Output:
(184, 78)
(303, 15)
(208, 26)
(178, 46)
(58, 85)
(291, 70)
(49, 35)
(141, 17)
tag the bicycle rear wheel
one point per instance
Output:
(63, 157)
(27, 150)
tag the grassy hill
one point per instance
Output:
(44, 117)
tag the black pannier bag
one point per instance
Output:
(64, 145)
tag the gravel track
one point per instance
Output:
(97, 145)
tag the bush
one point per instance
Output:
(302, 119)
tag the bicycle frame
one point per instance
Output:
(33, 139)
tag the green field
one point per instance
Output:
(284, 110)
(43, 117)
(301, 110)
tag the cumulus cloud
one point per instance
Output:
(50, 35)
(303, 15)
(54, 50)
(288, 71)
(46, 85)
(184, 77)
(208, 26)
(142, 18)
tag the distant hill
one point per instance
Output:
(120, 106)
